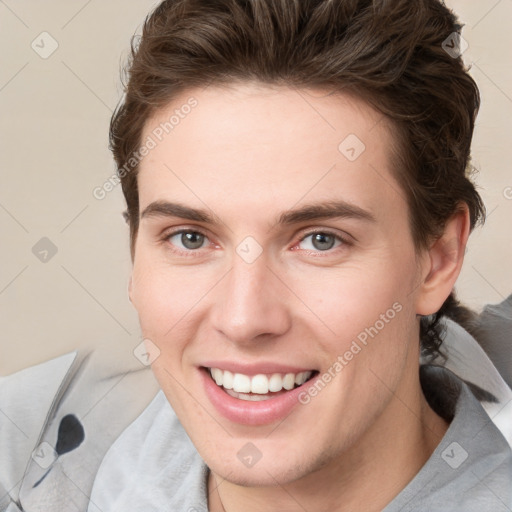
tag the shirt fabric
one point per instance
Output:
(153, 466)
(77, 435)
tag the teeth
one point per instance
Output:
(275, 383)
(226, 379)
(260, 384)
(241, 383)
(245, 396)
(289, 381)
(217, 376)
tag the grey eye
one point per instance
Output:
(323, 241)
(320, 242)
(192, 240)
(189, 240)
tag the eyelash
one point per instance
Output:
(191, 253)
(196, 252)
(317, 253)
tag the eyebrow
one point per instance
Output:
(167, 209)
(324, 210)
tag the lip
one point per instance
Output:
(249, 413)
(252, 369)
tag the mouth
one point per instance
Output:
(259, 387)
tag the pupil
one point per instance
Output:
(192, 240)
(323, 241)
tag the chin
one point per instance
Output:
(269, 471)
(260, 475)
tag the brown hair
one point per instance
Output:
(390, 53)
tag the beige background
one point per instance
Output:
(53, 153)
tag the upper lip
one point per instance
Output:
(265, 367)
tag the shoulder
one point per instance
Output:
(493, 330)
(153, 465)
(470, 470)
(26, 398)
(465, 358)
(58, 419)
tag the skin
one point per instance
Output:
(246, 154)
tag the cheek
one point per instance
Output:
(166, 297)
(372, 327)
(351, 299)
(167, 300)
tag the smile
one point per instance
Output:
(260, 386)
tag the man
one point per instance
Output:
(295, 176)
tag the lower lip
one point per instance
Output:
(246, 412)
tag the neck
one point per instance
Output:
(366, 477)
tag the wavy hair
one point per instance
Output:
(390, 53)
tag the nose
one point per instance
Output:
(251, 303)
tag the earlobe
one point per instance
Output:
(443, 263)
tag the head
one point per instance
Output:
(258, 119)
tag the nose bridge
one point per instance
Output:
(250, 303)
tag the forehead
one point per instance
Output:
(256, 149)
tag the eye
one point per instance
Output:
(188, 240)
(320, 241)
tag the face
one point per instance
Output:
(274, 253)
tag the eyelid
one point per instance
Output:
(327, 231)
(345, 238)
(167, 234)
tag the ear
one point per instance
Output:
(442, 263)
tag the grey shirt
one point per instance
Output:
(153, 466)
(77, 434)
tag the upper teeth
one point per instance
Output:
(260, 383)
